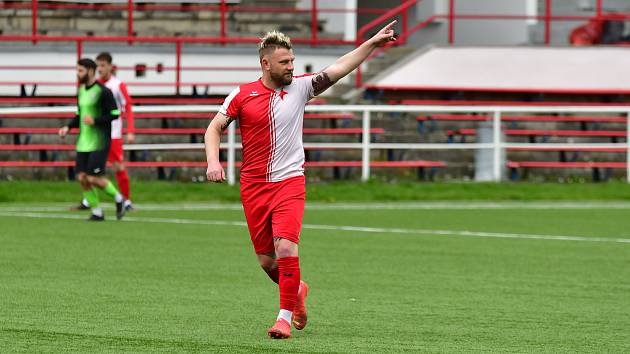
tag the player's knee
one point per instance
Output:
(285, 248)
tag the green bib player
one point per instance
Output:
(96, 108)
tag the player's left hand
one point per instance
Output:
(130, 138)
(88, 120)
(386, 34)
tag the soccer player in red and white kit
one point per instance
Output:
(270, 113)
(105, 70)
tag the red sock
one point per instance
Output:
(289, 268)
(274, 275)
(122, 177)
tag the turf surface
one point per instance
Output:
(171, 281)
(153, 191)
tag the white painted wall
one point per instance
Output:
(336, 22)
(494, 32)
(318, 62)
(513, 68)
(477, 32)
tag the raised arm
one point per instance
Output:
(347, 63)
(212, 140)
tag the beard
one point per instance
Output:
(282, 79)
(83, 79)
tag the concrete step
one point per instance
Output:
(159, 22)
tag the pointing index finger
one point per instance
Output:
(389, 25)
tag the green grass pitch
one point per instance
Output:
(414, 278)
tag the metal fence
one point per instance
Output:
(366, 146)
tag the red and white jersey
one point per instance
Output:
(271, 123)
(123, 101)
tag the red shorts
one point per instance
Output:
(273, 209)
(116, 151)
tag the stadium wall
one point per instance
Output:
(220, 82)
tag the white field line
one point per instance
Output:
(455, 205)
(356, 229)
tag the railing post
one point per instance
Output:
(79, 54)
(628, 148)
(365, 164)
(496, 141)
(547, 22)
(79, 49)
(129, 20)
(223, 28)
(405, 24)
(178, 65)
(34, 20)
(231, 155)
(314, 22)
(451, 21)
(599, 9)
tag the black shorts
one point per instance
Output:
(92, 163)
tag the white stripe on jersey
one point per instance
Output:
(272, 136)
(226, 104)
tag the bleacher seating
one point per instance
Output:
(595, 166)
(173, 19)
(541, 132)
(40, 137)
(521, 118)
(190, 131)
(536, 128)
(203, 164)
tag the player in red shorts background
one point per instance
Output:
(270, 113)
(116, 155)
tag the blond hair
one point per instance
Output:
(272, 41)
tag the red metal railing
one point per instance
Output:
(452, 16)
(400, 11)
(222, 8)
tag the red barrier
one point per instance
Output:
(502, 103)
(502, 89)
(541, 132)
(161, 115)
(203, 164)
(550, 164)
(187, 131)
(314, 40)
(519, 118)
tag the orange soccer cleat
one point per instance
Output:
(299, 313)
(280, 330)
